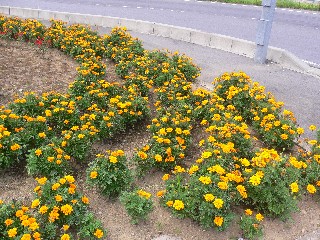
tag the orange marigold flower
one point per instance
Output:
(161, 193)
(93, 174)
(98, 233)
(165, 177)
(218, 221)
(248, 212)
(8, 222)
(15, 147)
(85, 200)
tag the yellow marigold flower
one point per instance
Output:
(218, 203)
(206, 154)
(15, 147)
(259, 217)
(311, 189)
(85, 200)
(223, 185)
(158, 157)
(178, 169)
(300, 130)
(55, 186)
(35, 203)
(165, 177)
(8, 222)
(284, 136)
(113, 159)
(205, 180)
(144, 194)
(37, 188)
(26, 236)
(242, 190)
(12, 232)
(80, 136)
(33, 226)
(248, 212)
(69, 178)
(313, 127)
(42, 180)
(98, 233)
(42, 135)
(161, 193)
(43, 209)
(53, 215)
(208, 197)
(65, 227)
(93, 174)
(38, 152)
(65, 237)
(19, 213)
(193, 169)
(218, 221)
(178, 205)
(66, 209)
(294, 187)
(312, 142)
(255, 180)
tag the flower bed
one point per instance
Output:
(52, 130)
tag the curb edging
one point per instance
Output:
(229, 44)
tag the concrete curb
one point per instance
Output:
(233, 45)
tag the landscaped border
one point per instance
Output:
(49, 130)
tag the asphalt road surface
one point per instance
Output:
(297, 31)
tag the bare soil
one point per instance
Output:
(27, 68)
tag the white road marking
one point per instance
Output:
(124, 6)
(139, 7)
(298, 11)
(253, 18)
(97, 4)
(182, 11)
(171, 10)
(314, 13)
(151, 8)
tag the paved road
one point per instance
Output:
(293, 30)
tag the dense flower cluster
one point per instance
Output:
(57, 212)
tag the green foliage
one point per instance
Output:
(250, 227)
(137, 203)
(109, 173)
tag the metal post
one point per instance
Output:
(264, 30)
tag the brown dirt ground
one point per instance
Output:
(27, 68)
